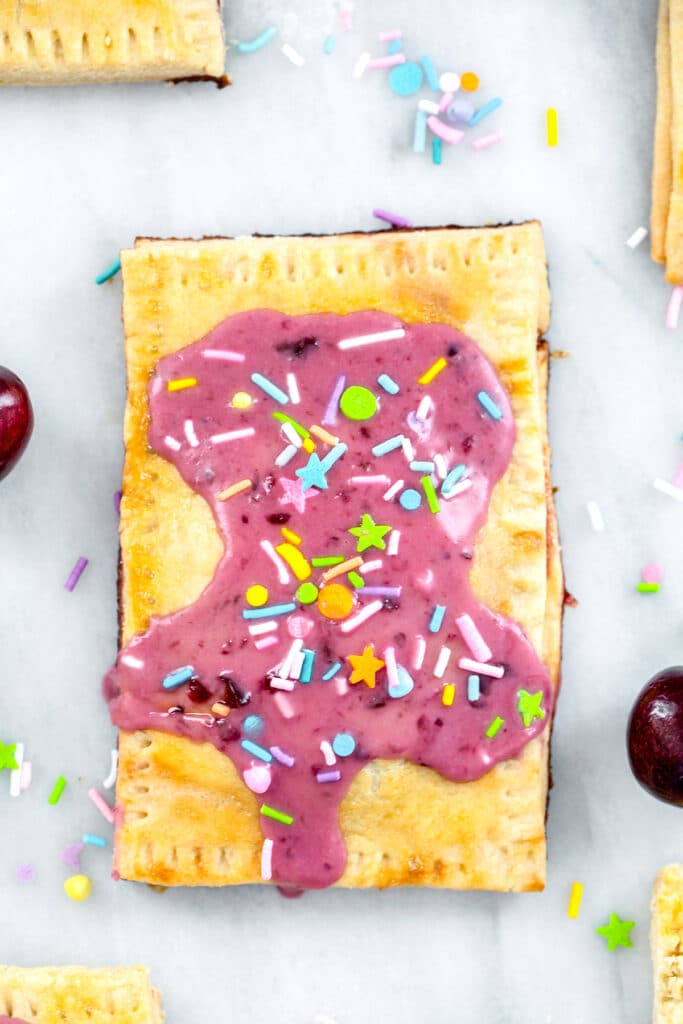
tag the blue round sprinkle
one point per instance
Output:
(253, 725)
(406, 79)
(405, 683)
(459, 110)
(410, 499)
(343, 744)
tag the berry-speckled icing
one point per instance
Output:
(301, 672)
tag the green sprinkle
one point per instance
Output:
(495, 727)
(648, 588)
(282, 417)
(57, 790)
(327, 560)
(430, 494)
(270, 812)
(355, 580)
(307, 593)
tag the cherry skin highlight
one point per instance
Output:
(16, 420)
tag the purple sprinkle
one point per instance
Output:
(392, 218)
(26, 873)
(71, 856)
(117, 502)
(394, 592)
(76, 573)
(333, 776)
(330, 417)
(283, 758)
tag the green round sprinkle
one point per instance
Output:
(358, 403)
(307, 593)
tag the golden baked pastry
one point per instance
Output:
(185, 815)
(661, 170)
(60, 42)
(674, 230)
(78, 995)
(666, 938)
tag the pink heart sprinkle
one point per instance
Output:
(299, 626)
(652, 573)
(257, 778)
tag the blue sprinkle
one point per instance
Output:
(389, 385)
(492, 409)
(306, 673)
(410, 499)
(328, 45)
(333, 455)
(270, 389)
(332, 671)
(268, 610)
(253, 725)
(430, 73)
(454, 477)
(110, 272)
(394, 46)
(257, 751)
(420, 136)
(473, 688)
(405, 79)
(422, 467)
(390, 445)
(91, 840)
(436, 620)
(178, 677)
(484, 111)
(343, 744)
(404, 686)
(437, 151)
(256, 44)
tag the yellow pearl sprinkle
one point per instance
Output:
(182, 383)
(256, 595)
(308, 445)
(575, 900)
(241, 400)
(78, 887)
(448, 695)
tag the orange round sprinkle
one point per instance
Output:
(335, 601)
(469, 81)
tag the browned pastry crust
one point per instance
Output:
(79, 995)
(666, 938)
(661, 169)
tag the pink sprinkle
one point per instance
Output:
(674, 308)
(363, 480)
(678, 479)
(299, 626)
(330, 417)
(445, 102)
(390, 61)
(495, 671)
(286, 759)
(265, 642)
(75, 574)
(190, 434)
(341, 685)
(284, 706)
(117, 502)
(477, 645)
(225, 354)
(452, 135)
(389, 35)
(652, 573)
(346, 18)
(71, 856)
(26, 775)
(267, 860)
(394, 540)
(420, 651)
(232, 435)
(278, 683)
(26, 873)
(282, 572)
(391, 667)
(392, 218)
(101, 805)
(487, 140)
(333, 776)
(357, 620)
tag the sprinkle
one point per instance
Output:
(389, 61)
(389, 35)
(477, 645)
(451, 135)
(448, 695)
(361, 64)
(356, 581)
(442, 662)
(190, 434)
(424, 408)
(333, 776)
(391, 592)
(437, 618)
(388, 384)
(430, 73)
(294, 648)
(223, 354)
(408, 449)
(366, 481)
(26, 873)
(390, 445)
(267, 860)
(78, 888)
(256, 750)
(420, 651)
(265, 643)
(234, 489)
(93, 840)
(286, 455)
(295, 560)
(420, 133)
(278, 683)
(389, 656)
(111, 778)
(418, 466)
(469, 81)
(575, 900)
(394, 541)
(178, 677)
(269, 550)
(495, 671)
(117, 502)
(171, 443)
(324, 435)
(434, 370)
(487, 140)
(261, 40)
(371, 566)
(291, 54)
(182, 383)
(57, 791)
(666, 488)
(370, 339)
(26, 775)
(76, 573)
(428, 106)
(648, 588)
(366, 613)
(678, 479)
(286, 759)
(328, 753)
(270, 812)
(232, 435)
(595, 516)
(551, 121)
(332, 671)
(271, 389)
(393, 490)
(652, 572)
(445, 101)
(638, 236)
(329, 44)
(410, 499)
(484, 111)
(272, 609)
(306, 673)
(327, 560)
(454, 477)
(495, 727)
(473, 688)
(284, 706)
(15, 773)
(241, 400)
(346, 18)
(342, 568)
(440, 466)
(131, 661)
(392, 218)
(102, 805)
(289, 535)
(343, 744)
(330, 417)
(430, 494)
(220, 710)
(110, 272)
(487, 403)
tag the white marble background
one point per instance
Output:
(82, 171)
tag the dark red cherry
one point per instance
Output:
(16, 420)
(655, 736)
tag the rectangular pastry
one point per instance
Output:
(666, 939)
(308, 690)
(60, 42)
(661, 170)
(674, 230)
(78, 995)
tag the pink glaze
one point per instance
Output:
(431, 567)
(11, 1020)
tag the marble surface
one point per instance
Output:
(82, 172)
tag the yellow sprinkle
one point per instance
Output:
(182, 383)
(324, 435)
(220, 709)
(575, 900)
(552, 126)
(433, 371)
(78, 887)
(233, 489)
(448, 695)
(256, 595)
(241, 400)
(339, 570)
(295, 560)
(289, 535)
(308, 445)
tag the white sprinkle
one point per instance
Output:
(408, 449)
(171, 443)
(15, 773)
(292, 55)
(361, 64)
(428, 106)
(328, 753)
(282, 571)
(666, 488)
(225, 354)
(639, 235)
(420, 651)
(463, 485)
(424, 408)
(131, 661)
(297, 665)
(190, 434)
(26, 775)
(232, 435)
(357, 620)
(293, 388)
(393, 490)
(495, 671)
(111, 778)
(259, 628)
(285, 669)
(267, 860)
(372, 566)
(597, 522)
(291, 434)
(278, 683)
(284, 705)
(341, 685)
(442, 662)
(391, 667)
(265, 642)
(286, 455)
(370, 339)
(441, 467)
(394, 539)
(673, 310)
(362, 480)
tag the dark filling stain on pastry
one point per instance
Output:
(349, 463)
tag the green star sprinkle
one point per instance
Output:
(529, 706)
(369, 534)
(7, 759)
(617, 932)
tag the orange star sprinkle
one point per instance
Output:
(365, 667)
